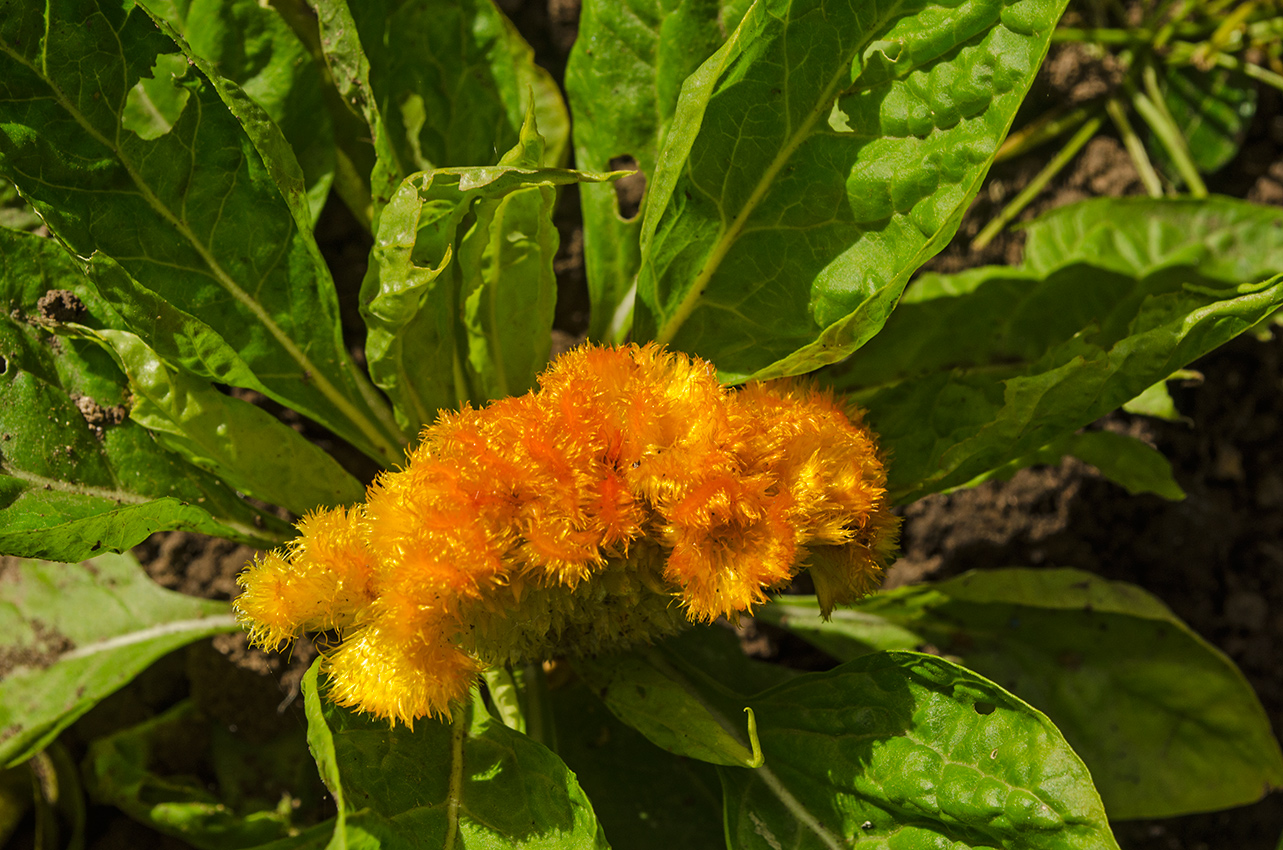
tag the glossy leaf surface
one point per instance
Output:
(487, 785)
(976, 369)
(1141, 698)
(71, 634)
(814, 162)
(210, 216)
(76, 477)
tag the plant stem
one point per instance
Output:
(1135, 148)
(1154, 111)
(1251, 70)
(1040, 181)
(1050, 125)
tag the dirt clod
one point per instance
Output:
(60, 305)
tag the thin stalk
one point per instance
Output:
(1102, 35)
(1135, 148)
(1250, 69)
(1152, 108)
(1040, 181)
(1048, 126)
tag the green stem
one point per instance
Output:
(1152, 108)
(1102, 35)
(1135, 148)
(1040, 181)
(1249, 69)
(1045, 128)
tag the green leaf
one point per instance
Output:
(250, 44)
(816, 161)
(901, 750)
(1213, 110)
(622, 78)
(1165, 722)
(242, 444)
(642, 690)
(644, 797)
(71, 634)
(14, 211)
(210, 216)
(1157, 402)
(474, 780)
(465, 107)
(128, 770)
(459, 292)
(1127, 461)
(976, 369)
(74, 478)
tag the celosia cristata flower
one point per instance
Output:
(631, 494)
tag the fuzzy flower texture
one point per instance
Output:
(631, 494)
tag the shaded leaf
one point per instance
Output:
(211, 216)
(443, 330)
(463, 108)
(900, 750)
(1144, 700)
(641, 689)
(126, 770)
(250, 44)
(475, 779)
(1127, 461)
(815, 161)
(1213, 110)
(976, 369)
(14, 211)
(644, 797)
(71, 634)
(76, 478)
(623, 78)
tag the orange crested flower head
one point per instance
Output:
(630, 495)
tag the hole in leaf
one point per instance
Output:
(155, 104)
(629, 190)
(984, 707)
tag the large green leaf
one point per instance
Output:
(250, 44)
(976, 369)
(210, 215)
(71, 634)
(644, 797)
(1165, 722)
(462, 107)
(459, 294)
(75, 478)
(262, 788)
(815, 161)
(474, 781)
(622, 78)
(898, 750)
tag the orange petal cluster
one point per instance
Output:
(631, 494)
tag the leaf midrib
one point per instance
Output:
(310, 371)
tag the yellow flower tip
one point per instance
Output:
(846, 573)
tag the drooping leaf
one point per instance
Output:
(641, 690)
(463, 108)
(976, 369)
(242, 444)
(622, 78)
(76, 476)
(210, 216)
(1127, 461)
(444, 331)
(814, 162)
(644, 797)
(1165, 722)
(71, 634)
(1213, 110)
(251, 44)
(474, 781)
(900, 750)
(1157, 402)
(127, 770)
